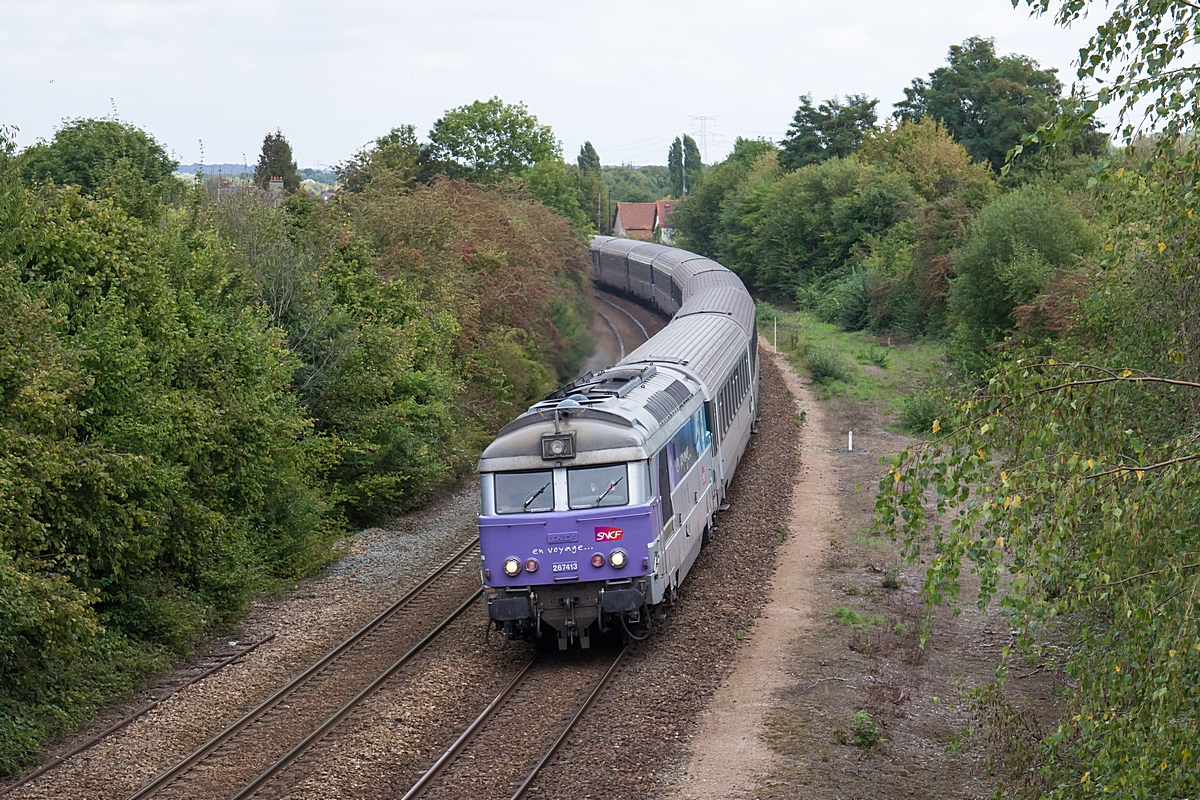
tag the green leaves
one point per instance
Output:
(1138, 60)
(489, 140)
(1094, 559)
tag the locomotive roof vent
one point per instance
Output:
(612, 382)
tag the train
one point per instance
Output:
(596, 501)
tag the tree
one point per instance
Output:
(692, 165)
(1014, 248)
(935, 164)
(275, 161)
(832, 129)
(675, 166)
(85, 152)
(698, 217)
(987, 102)
(488, 140)
(559, 186)
(589, 159)
(1135, 55)
(395, 155)
(105, 158)
(1068, 480)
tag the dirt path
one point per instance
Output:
(730, 757)
(833, 696)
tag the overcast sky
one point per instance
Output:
(629, 76)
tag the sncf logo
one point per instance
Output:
(609, 534)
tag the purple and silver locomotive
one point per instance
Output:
(597, 500)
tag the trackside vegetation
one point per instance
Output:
(1057, 268)
(202, 389)
(1067, 479)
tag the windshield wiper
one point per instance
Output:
(604, 494)
(536, 494)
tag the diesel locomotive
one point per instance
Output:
(597, 500)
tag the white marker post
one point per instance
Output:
(777, 334)
(850, 442)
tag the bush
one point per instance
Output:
(865, 730)
(826, 365)
(1015, 246)
(918, 411)
(193, 398)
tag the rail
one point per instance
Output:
(427, 780)
(221, 739)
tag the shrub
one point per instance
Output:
(1015, 246)
(865, 730)
(826, 365)
(918, 411)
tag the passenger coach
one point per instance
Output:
(597, 500)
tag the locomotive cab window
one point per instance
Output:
(524, 492)
(598, 487)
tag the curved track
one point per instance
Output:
(640, 326)
(246, 755)
(544, 701)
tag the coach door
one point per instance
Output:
(670, 554)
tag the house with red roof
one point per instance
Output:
(649, 221)
(635, 220)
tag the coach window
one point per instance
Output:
(522, 492)
(598, 487)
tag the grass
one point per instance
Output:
(856, 365)
(852, 619)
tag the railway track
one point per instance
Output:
(504, 750)
(249, 754)
(632, 318)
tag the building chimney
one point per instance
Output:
(276, 187)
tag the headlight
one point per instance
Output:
(617, 559)
(512, 567)
(598, 560)
(531, 565)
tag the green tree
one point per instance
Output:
(1066, 481)
(814, 219)
(987, 102)
(637, 184)
(1014, 248)
(393, 157)
(698, 217)
(275, 161)
(86, 152)
(560, 186)
(1134, 57)
(830, 130)
(934, 163)
(693, 167)
(488, 140)
(589, 159)
(675, 166)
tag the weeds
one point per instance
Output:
(918, 411)
(852, 619)
(826, 365)
(891, 578)
(865, 730)
(874, 354)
